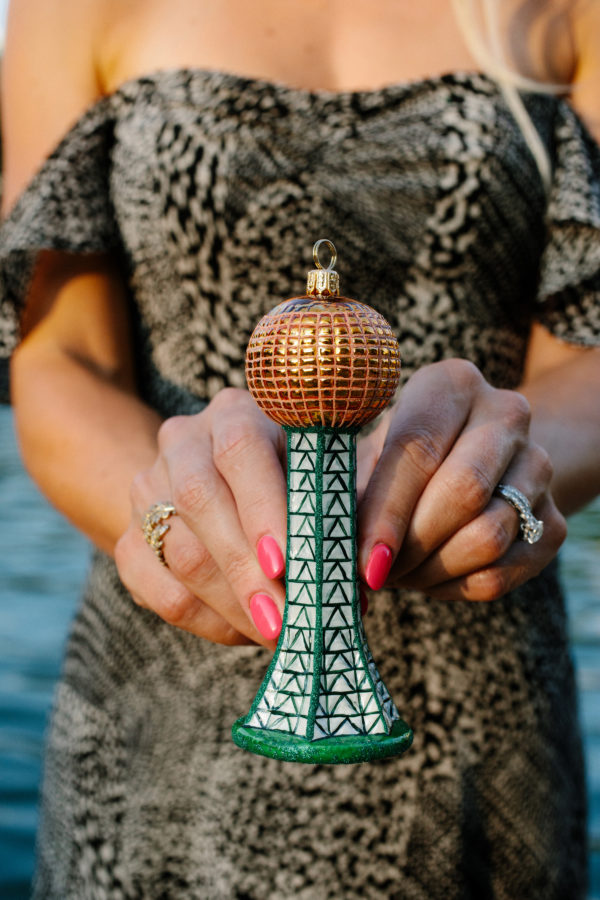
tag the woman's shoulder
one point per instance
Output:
(46, 89)
(585, 86)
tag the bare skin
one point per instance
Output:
(75, 399)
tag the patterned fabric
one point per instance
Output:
(211, 187)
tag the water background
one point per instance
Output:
(42, 565)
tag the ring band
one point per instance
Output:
(155, 527)
(530, 528)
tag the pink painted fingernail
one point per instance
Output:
(266, 616)
(378, 567)
(270, 557)
(364, 601)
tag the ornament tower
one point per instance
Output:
(322, 366)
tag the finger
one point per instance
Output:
(479, 544)
(368, 451)
(192, 565)
(459, 491)
(522, 562)
(206, 505)
(189, 560)
(153, 587)
(487, 537)
(247, 450)
(433, 408)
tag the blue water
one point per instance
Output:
(42, 565)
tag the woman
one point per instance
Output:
(211, 145)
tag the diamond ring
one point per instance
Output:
(530, 528)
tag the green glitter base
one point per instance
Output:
(348, 749)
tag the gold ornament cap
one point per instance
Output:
(323, 282)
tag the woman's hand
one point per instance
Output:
(428, 518)
(222, 470)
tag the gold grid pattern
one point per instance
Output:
(312, 361)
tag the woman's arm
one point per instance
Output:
(74, 363)
(83, 432)
(85, 435)
(562, 381)
(103, 458)
(562, 384)
(430, 498)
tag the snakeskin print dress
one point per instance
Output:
(211, 189)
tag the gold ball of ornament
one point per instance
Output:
(312, 361)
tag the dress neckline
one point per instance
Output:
(281, 88)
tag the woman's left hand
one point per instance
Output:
(428, 516)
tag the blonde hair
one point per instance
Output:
(485, 43)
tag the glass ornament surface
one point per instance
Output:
(312, 361)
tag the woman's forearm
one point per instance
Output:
(83, 438)
(83, 431)
(565, 402)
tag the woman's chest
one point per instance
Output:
(328, 44)
(314, 44)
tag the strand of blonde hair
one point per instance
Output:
(487, 49)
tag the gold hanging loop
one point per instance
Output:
(323, 282)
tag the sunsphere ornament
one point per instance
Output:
(322, 366)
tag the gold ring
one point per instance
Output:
(155, 527)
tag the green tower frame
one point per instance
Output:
(322, 699)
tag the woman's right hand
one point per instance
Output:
(222, 470)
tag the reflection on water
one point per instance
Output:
(42, 565)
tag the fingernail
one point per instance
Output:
(270, 557)
(364, 601)
(266, 616)
(378, 566)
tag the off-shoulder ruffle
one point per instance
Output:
(569, 285)
(67, 206)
